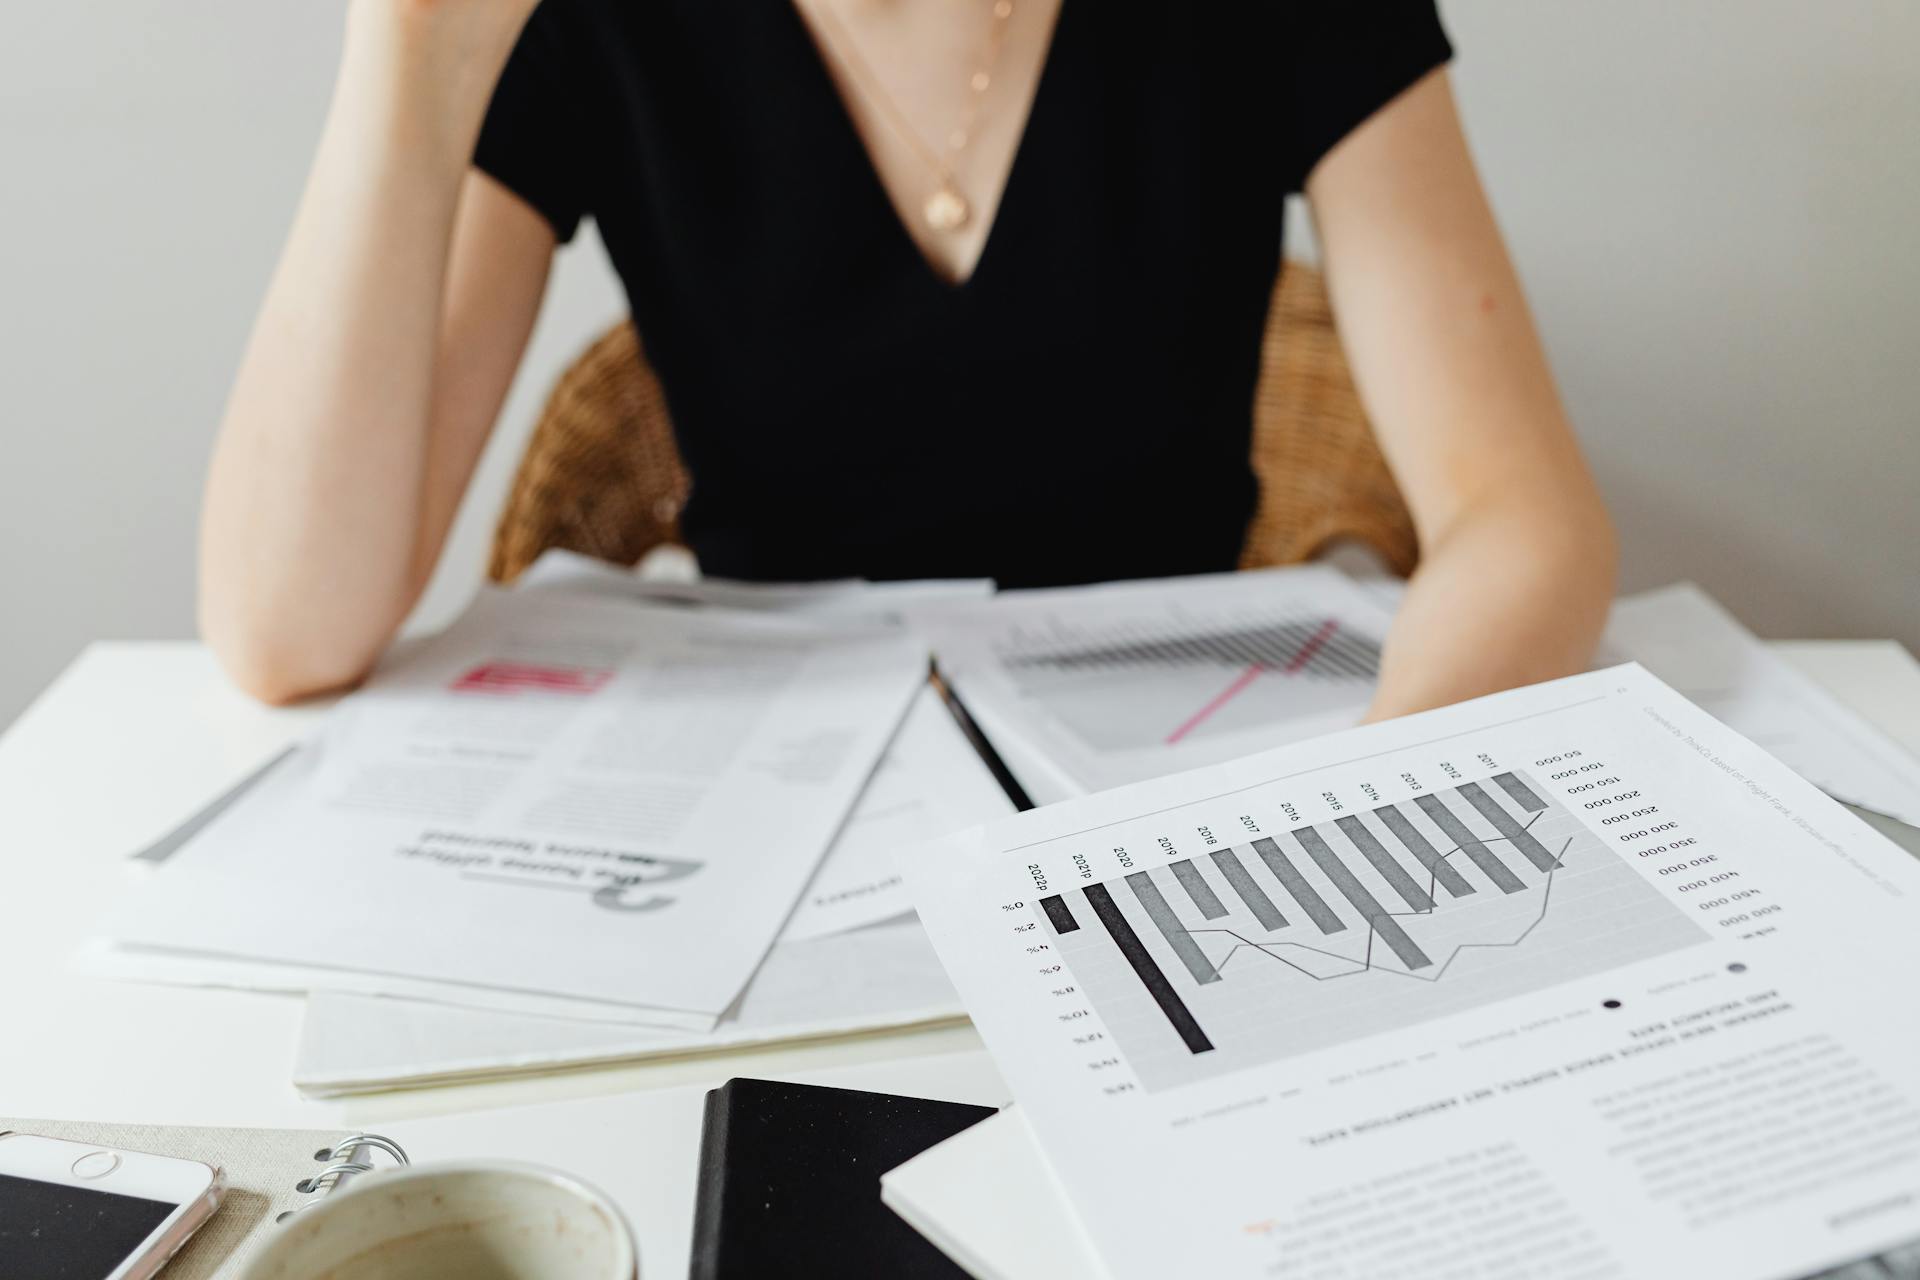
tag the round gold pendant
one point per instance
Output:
(946, 210)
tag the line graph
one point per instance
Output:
(1319, 934)
(1160, 682)
(1366, 664)
(1364, 963)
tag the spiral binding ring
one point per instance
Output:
(346, 1159)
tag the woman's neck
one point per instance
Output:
(939, 92)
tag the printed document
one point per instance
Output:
(929, 783)
(1092, 687)
(560, 796)
(1572, 974)
(849, 599)
(1684, 636)
(1688, 639)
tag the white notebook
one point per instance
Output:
(987, 1199)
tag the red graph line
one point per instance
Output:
(1301, 658)
(1314, 644)
(1220, 700)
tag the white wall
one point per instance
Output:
(1713, 203)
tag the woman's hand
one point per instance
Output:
(387, 341)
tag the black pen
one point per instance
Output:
(981, 744)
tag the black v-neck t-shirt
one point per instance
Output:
(1078, 409)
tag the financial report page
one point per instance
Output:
(1569, 981)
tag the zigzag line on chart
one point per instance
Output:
(1366, 965)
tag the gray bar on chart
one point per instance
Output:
(1472, 845)
(1509, 826)
(1416, 844)
(1360, 652)
(1250, 893)
(1522, 794)
(1199, 890)
(1365, 903)
(1171, 929)
(1385, 863)
(1296, 884)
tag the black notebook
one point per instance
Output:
(790, 1182)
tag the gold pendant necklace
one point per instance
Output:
(947, 209)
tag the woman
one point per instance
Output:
(935, 287)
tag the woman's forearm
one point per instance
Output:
(1517, 551)
(1514, 594)
(314, 496)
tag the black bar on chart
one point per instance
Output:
(1144, 967)
(1250, 893)
(1416, 844)
(1296, 884)
(1057, 914)
(1171, 929)
(1385, 863)
(1199, 890)
(1509, 826)
(1365, 903)
(1473, 846)
(1522, 794)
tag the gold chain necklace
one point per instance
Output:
(946, 209)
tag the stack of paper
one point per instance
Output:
(846, 963)
(608, 818)
(583, 809)
(822, 979)
(929, 781)
(871, 979)
(1571, 980)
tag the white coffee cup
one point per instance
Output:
(460, 1220)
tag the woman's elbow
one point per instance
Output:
(279, 669)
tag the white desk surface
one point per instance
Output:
(133, 737)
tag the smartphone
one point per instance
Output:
(69, 1211)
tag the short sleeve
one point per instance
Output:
(1345, 60)
(531, 139)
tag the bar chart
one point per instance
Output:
(1315, 936)
(1191, 678)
